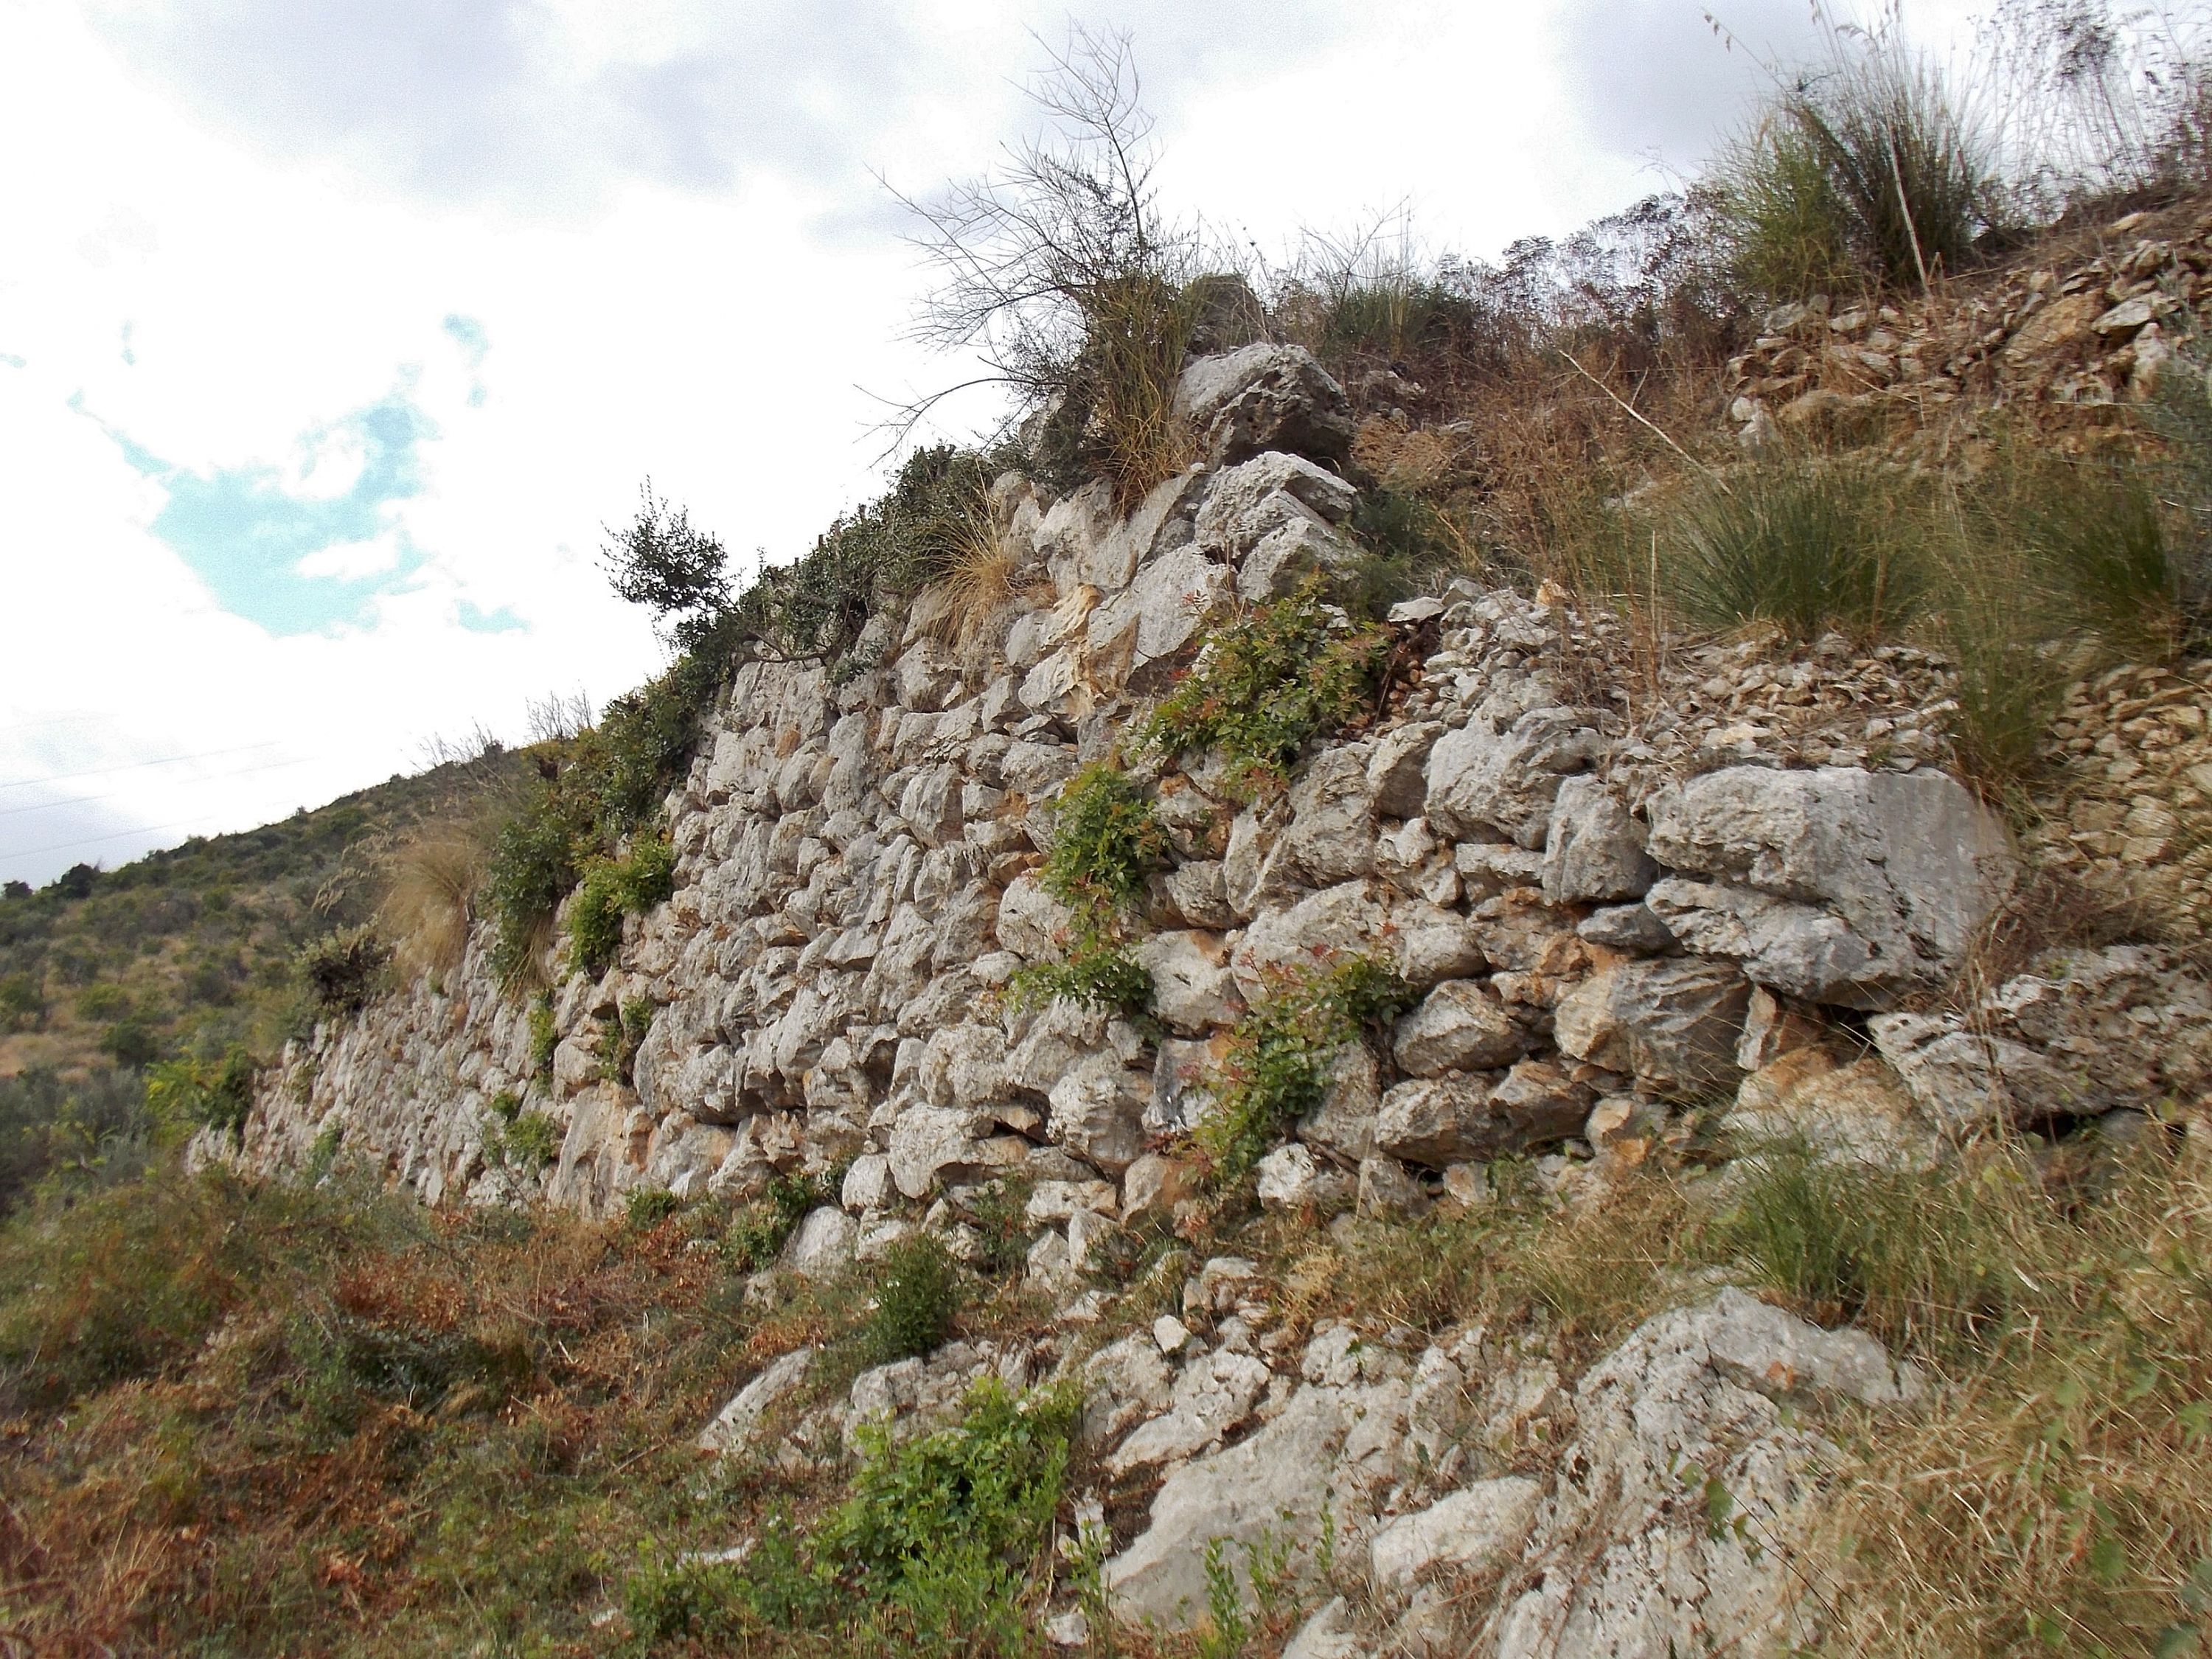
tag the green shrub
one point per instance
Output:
(344, 971)
(544, 1036)
(1095, 970)
(1269, 684)
(646, 1208)
(130, 1041)
(761, 1227)
(933, 1551)
(1806, 543)
(103, 1002)
(22, 1003)
(528, 1144)
(1106, 840)
(534, 863)
(506, 1105)
(917, 1289)
(1106, 843)
(1278, 1065)
(185, 1094)
(613, 889)
(633, 1019)
(887, 550)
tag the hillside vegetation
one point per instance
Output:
(1879, 458)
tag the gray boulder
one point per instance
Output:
(1672, 1025)
(1907, 865)
(1460, 1026)
(1483, 780)
(1594, 850)
(1262, 397)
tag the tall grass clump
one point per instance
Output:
(2050, 1495)
(1863, 170)
(1807, 542)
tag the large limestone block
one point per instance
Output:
(1332, 834)
(1245, 502)
(1339, 922)
(1262, 398)
(1595, 851)
(1461, 1026)
(1099, 1110)
(1474, 1528)
(1151, 621)
(1908, 864)
(2090, 1032)
(1483, 781)
(1462, 1118)
(1031, 922)
(1672, 1025)
(1193, 990)
(932, 1144)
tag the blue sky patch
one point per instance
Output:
(247, 530)
(501, 620)
(470, 334)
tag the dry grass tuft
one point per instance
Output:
(2053, 1496)
(431, 875)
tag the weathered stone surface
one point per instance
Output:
(1396, 769)
(1284, 558)
(2095, 1031)
(1331, 838)
(1858, 1111)
(733, 1425)
(1635, 929)
(1263, 397)
(1473, 1528)
(1098, 1112)
(1215, 1395)
(1292, 1178)
(1344, 1122)
(1672, 1025)
(1639, 1570)
(1594, 850)
(1343, 920)
(1031, 922)
(931, 1144)
(1124, 1384)
(1245, 502)
(1460, 1026)
(1884, 877)
(1483, 780)
(1193, 990)
(824, 1245)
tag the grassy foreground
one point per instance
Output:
(250, 1419)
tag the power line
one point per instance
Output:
(120, 835)
(139, 766)
(212, 777)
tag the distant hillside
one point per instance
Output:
(188, 950)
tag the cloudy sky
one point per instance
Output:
(331, 332)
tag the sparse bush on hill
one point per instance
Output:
(1063, 275)
(344, 971)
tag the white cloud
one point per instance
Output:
(659, 215)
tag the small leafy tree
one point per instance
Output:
(659, 561)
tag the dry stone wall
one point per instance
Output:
(1622, 881)
(1633, 888)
